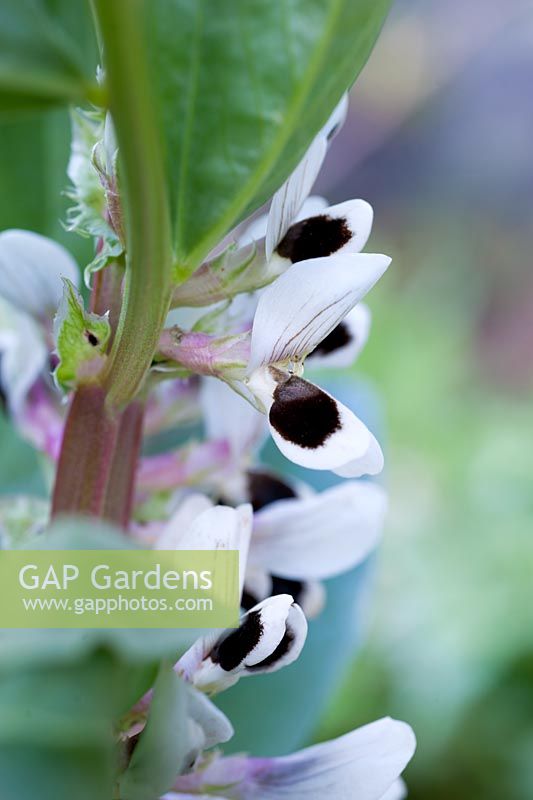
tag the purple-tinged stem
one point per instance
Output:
(121, 486)
(87, 452)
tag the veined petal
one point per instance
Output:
(288, 200)
(256, 230)
(319, 536)
(301, 307)
(270, 636)
(363, 764)
(31, 269)
(341, 347)
(313, 429)
(343, 228)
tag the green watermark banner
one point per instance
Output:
(119, 588)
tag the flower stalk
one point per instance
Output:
(102, 437)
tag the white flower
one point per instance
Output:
(362, 765)
(298, 541)
(288, 200)
(294, 315)
(199, 525)
(270, 636)
(342, 346)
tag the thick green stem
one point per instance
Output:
(144, 198)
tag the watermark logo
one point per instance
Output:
(119, 589)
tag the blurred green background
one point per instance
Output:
(439, 141)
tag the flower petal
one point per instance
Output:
(301, 307)
(341, 347)
(313, 429)
(398, 791)
(265, 488)
(23, 356)
(270, 636)
(216, 528)
(288, 200)
(363, 764)
(319, 536)
(343, 228)
(31, 269)
(229, 417)
(176, 528)
(257, 228)
(258, 585)
(215, 726)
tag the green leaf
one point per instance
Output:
(56, 729)
(40, 65)
(159, 754)
(242, 91)
(81, 339)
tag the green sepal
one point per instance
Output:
(81, 339)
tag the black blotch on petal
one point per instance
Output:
(281, 650)
(287, 586)
(303, 414)
(230, 651)
(264, 489)
(314, 237)
(338, 338)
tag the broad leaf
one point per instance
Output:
(242, 91)
(40, 65)
(56, 729)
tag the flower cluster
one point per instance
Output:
(283, 295)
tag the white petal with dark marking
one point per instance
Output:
(342, 346)
(313, 429)
(319, 536)
(343, 228)
(269, 637)
(301, 307)
(289, 199)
